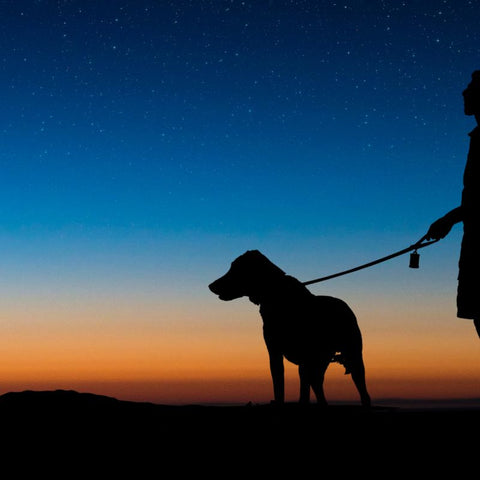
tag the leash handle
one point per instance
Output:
(415, 247)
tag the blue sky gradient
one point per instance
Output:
(145, 144)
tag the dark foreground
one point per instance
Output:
(91, 433)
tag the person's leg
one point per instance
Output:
(476, 322)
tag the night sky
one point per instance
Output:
(146, 144)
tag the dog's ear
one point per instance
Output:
(267, 266)
(273, 268)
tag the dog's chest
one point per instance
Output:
(287, 329)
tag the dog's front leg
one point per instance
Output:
(304, 384)
(277, 372)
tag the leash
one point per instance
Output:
(414, 260)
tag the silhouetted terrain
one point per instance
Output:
(81, 428)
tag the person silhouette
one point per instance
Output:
(468, 289)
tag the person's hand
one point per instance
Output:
(439, 229)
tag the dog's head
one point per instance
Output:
(249, 275)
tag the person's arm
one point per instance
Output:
(441, 227)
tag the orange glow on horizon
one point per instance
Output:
(165, 359)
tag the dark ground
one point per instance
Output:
(90, 434)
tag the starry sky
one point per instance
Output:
(146, 144)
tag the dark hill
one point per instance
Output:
(55, 399)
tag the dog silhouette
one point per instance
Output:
(308, 330)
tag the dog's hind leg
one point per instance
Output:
(313, 376)
(357, 370)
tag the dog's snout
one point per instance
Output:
(215, 287)
(226, 288)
